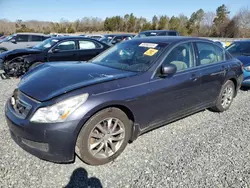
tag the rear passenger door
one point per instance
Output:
(64, 51)
(88, 49)
(213, 67)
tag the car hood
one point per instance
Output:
(52, 79)
(18, 52)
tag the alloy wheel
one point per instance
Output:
(227, 96)
(106, 138)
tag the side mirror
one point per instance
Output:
(168, 70)
(55, 50)
(13, 41)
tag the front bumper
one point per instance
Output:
(53, 142)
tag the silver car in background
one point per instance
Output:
(21, 40)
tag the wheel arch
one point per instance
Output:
(135, 127)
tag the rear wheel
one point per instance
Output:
(103, 137)
(225, 98)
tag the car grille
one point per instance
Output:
(20, 107)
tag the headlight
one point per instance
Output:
(247, 68)
(59, 111)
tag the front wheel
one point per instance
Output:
(103, 137)
(225, 98)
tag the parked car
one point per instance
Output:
(2, 37)
(93, 36)
(21, 40)
(152, 33)
(67, 48)
(94, 109)
(241, 50)
(119, 38)
(107, 38)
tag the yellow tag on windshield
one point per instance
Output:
(150, 52)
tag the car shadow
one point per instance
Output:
(79, 179)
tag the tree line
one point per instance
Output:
(200, 23)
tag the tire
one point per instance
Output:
(85, 140)
(34, 65)
(219, 107)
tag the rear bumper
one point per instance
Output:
(53, 142)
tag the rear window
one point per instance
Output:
(130, 56)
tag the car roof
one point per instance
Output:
(169, 39)
(158, 31)
(125, 34)
(247, 40)
(39, 34)
(71, 37)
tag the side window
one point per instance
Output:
(181, 56)
(171, 33)
(163, 33)
(22, 38)
(85, 44)
(66, 46)
(209, 53)
(36, 38)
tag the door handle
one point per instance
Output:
(194, 77)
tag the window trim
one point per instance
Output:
(59, 42)
(96, 43)
(154, 75)
(198, 56)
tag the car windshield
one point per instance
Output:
(130, 56)
(46, 44)
(239, 48)
(8, 38)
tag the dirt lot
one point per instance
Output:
(204, 150)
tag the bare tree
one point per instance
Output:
(243, 18)
(207, 23)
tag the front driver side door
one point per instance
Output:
(64, 51)
(176, 95)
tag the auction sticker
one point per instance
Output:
(150, 52)
(148, 45)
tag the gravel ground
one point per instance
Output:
(204, 150)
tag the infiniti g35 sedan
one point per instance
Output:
(93, 109)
